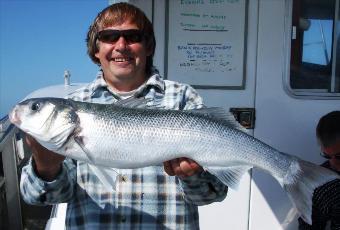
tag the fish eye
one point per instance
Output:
(35, 106)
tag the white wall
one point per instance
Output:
(283, 122)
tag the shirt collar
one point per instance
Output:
(154, 81)
(99, 83)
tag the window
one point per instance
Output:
(315, 48)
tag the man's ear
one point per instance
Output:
(149, 49)
(149, 52)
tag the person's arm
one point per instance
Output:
(47, 163)
(48, 178)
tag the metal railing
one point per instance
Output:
(10, 181)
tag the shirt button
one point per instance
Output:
(123, 178)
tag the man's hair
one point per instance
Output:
(117, 14)
(328, 129)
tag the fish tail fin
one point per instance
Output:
(301, 181)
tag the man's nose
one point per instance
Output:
(121, 44)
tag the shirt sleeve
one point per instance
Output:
(36, 191)
(203, 188)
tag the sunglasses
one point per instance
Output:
(325, 155)
(112, 36)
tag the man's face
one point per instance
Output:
(333, 152)
(123, 61)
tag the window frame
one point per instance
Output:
(288, 31)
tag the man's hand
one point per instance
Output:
(182, 167)
(48, 163)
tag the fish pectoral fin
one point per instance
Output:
(229, 176)
(107, 176)
(80, 141)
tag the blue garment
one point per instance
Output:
(144, 198)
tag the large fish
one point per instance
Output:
(127, 135)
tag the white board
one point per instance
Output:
(206, 42)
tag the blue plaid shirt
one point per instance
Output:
(144, 198)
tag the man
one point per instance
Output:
(121, 41)
(326, 199)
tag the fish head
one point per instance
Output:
(49, 120)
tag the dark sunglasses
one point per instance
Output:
(112, 36)
(325, 155)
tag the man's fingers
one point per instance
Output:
(182, 167)
(175, 163)
(190, 167)
(186, 167)
(168, 168)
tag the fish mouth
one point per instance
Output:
(14, 117)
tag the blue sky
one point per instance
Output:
(39, 40)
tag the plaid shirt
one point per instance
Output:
(144, 198)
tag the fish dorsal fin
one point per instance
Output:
(142, 102)
(220, 114)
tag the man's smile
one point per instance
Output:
(122, 59)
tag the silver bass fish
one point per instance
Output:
(126, 135)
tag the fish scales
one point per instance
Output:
(141, 133)
(172, 133)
